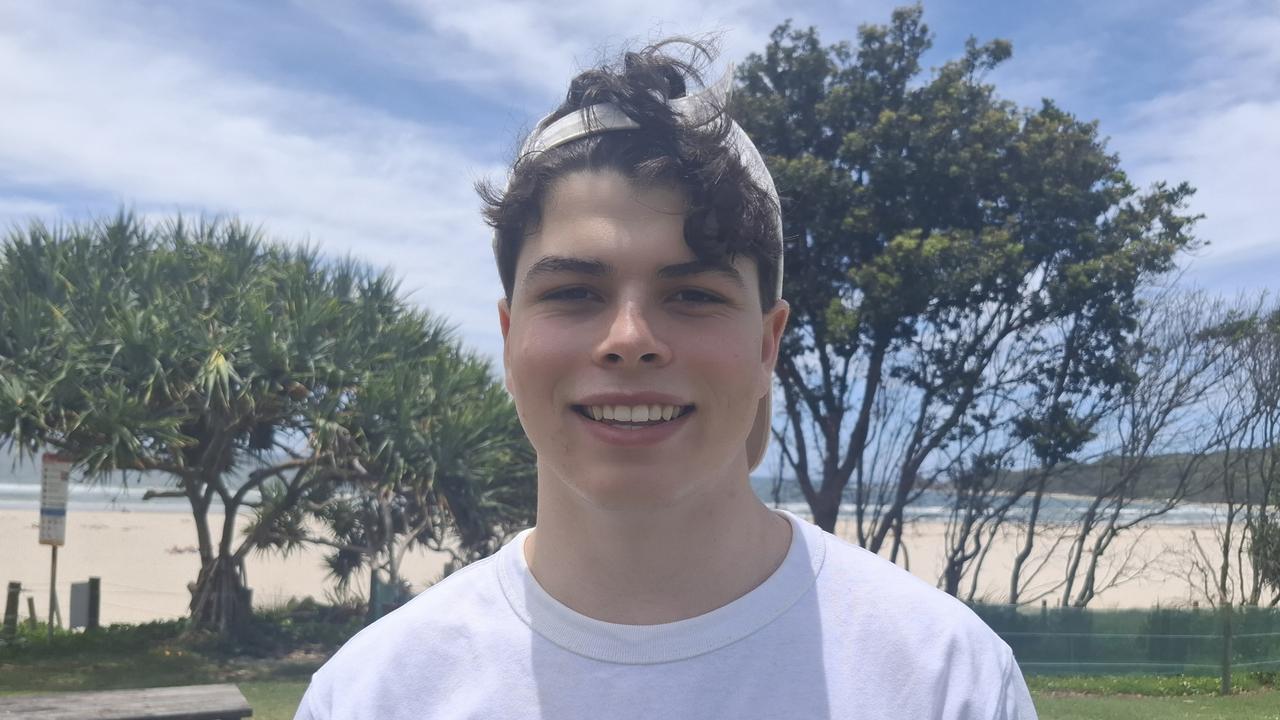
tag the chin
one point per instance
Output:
(649, 488)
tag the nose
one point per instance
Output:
(630, 339)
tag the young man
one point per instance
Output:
(639, 246)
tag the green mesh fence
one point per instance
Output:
(1119, 642)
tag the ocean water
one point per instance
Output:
(92, 496)
(1054, 511)
(936, 505)
(122, 491)
(22, 491)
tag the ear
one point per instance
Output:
(775, 322)
(504, 317)
(504, 323)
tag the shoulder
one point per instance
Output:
(877, 594)
(431, 631)
(909, 635)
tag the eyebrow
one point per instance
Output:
(558, 264)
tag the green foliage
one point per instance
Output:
(33, 641)
(443, 458)
(272, 668)
(935, 231)
(203, 351)
(926, 197)
(165, 347)
(299, 625)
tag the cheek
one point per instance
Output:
(538, 357)
(728, 354)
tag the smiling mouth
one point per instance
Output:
(634, 417)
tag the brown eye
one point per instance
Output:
(569, 294)
(697, 297)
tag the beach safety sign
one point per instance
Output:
(55, 478)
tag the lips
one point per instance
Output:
(629, 415)
(628, 434)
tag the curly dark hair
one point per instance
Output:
(728, 212)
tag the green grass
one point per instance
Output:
(1148, 685)
(273, 700)
(1167, 697)
(1262, 705)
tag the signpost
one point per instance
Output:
(55, 477)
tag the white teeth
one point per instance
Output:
(634, 414)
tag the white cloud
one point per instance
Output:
(120, 104)
(115, 103)
(1217, 130)
(538, 44)
(1206, 112)
(117, 114)
(17, 208)
(500, 47)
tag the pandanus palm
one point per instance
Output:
(204, 352)
(444, 466)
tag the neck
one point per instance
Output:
(659, 565)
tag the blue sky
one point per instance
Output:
(360, 127)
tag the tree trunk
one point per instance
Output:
(1015, 576)
(951, 575)
(219, 599)
(1076, 552)
(958, 555)
(826, 508)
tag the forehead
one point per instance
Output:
(621, 227)
(606, 212)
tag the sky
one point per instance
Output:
(360, 128)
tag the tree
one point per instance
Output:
(1264, 548)
(449, 469)
(203, 352)
(1251, 484)
(1043, 427)
(932, 227)
(1178, 364)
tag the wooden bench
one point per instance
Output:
(191, 702)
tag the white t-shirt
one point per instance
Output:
(834, 632)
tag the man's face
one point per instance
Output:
(612, 312)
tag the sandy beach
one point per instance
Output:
(1154, 565)
(146, 559)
